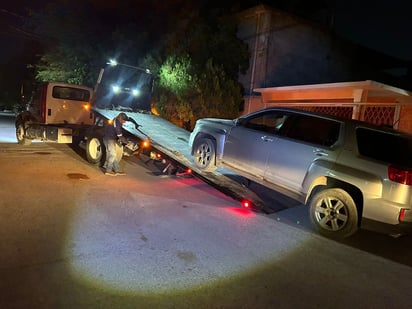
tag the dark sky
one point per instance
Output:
(384, 26)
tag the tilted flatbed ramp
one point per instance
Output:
(173, 142)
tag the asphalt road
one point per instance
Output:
(72, 237)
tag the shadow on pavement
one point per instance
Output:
(293, 213)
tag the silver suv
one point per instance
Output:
(350, 173)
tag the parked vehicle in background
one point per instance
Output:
(351, 174)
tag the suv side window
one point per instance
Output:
(269, 122)
(314, 130)
(384, 146)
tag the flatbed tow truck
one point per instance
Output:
(65, 113)
(171, 143)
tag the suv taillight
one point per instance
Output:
(400, 175)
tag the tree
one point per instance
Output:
(199, 77)
(185, 93)
(78, 42)
(195, 56)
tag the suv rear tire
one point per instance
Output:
(333, 213)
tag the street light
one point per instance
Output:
(113, 62)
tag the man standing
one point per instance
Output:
(112, 134)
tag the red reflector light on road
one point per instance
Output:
(246, 204)
(400, 175)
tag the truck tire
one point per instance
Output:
(95, 150)
(20, 134)
(204, 154)
(333, 213)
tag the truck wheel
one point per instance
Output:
(20, 135)
(204, 155)
(95, 150)
(333, 213)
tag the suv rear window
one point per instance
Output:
(385, 146)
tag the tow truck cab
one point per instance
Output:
(60, 103)
(55, 113)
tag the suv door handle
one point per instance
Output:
(266, 138)
(320, 152)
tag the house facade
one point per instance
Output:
(297, 64)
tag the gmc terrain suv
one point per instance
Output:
(351, 174)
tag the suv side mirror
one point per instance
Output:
(239, 121)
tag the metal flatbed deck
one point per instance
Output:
(173, 142)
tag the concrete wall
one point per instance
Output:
(287, 50)
(405, 119)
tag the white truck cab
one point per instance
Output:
(54, 111)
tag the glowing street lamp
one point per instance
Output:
(113, 62)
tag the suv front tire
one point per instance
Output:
(204, 154)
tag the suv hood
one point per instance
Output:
(224, 122)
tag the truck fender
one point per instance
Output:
(23, 118)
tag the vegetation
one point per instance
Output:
(194, 55)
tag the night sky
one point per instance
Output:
(384, 26)
(381, 25)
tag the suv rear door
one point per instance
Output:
(305, 144)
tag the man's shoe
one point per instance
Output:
(120, 173)
(110, 173)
